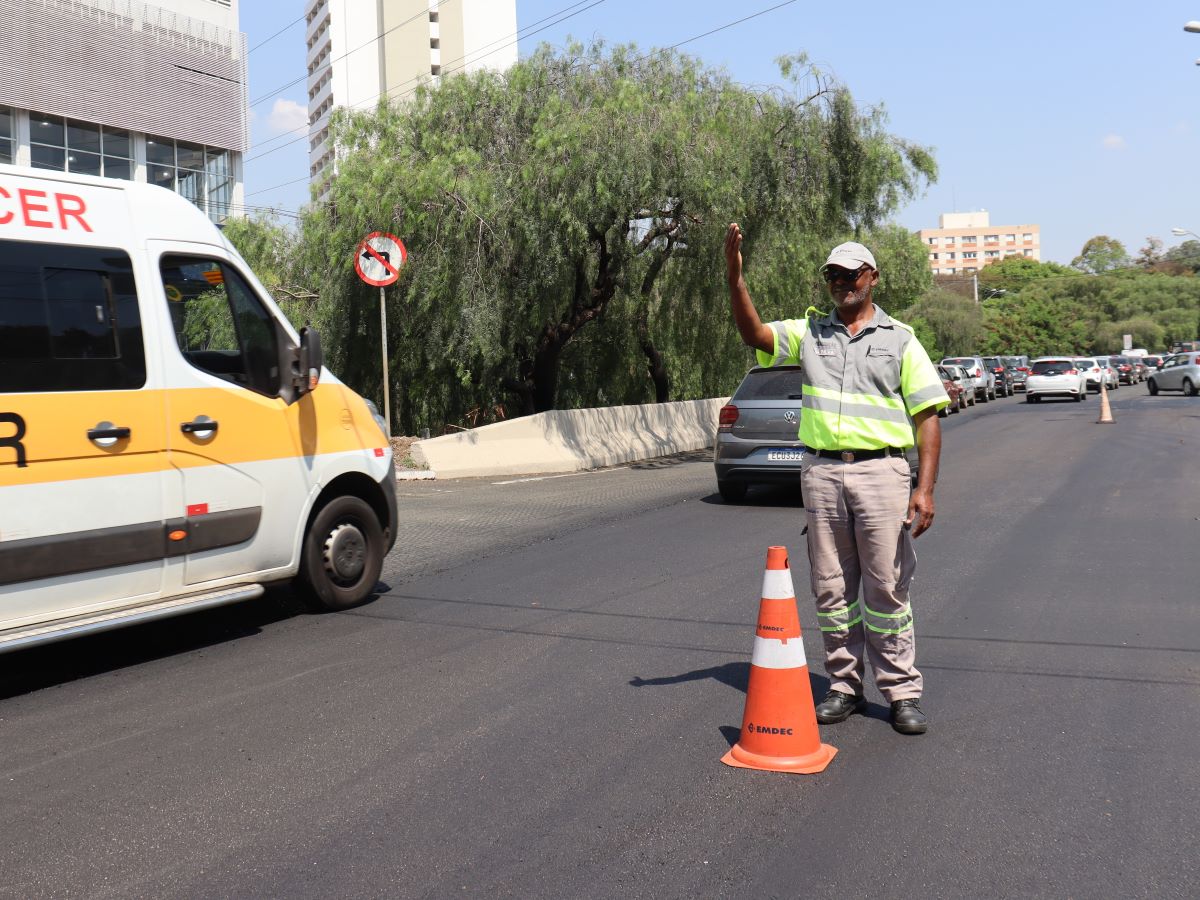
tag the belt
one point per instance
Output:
(856, 455)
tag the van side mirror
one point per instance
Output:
(309, 360)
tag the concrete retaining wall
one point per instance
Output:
(568, 440)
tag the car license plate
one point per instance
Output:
(785, 455)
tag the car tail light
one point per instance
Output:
(1022, 368)
(1071, 372)
(729, 415)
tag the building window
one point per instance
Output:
(1029, 252)
(991, 238)
(949, 239)
(67, 145)
(949, 256)
(201, 174)
(970, 238)
(970, 254)
(6, 135)
(933, 256)
(991, 254)
(970, 269)
(949, 271)
(1011, 238)
(1027, 237)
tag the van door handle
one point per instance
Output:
(201, 427)
(107, 434)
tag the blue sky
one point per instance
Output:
(1081, 117)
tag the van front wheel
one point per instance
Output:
(343, 554)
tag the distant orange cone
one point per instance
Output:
(779, 725)
(1106, 417)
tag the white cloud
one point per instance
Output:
(1114, 142)
(287, 115)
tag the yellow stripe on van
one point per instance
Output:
(251, 428)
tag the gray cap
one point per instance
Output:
(850, 256)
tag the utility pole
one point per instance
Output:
(975, 287)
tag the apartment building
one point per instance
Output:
(963, 243)
(359, 51)
(124, 89)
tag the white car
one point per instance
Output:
(1095, 374)
(1110, 374)
(1055, 376)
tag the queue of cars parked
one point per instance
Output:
(757, 441)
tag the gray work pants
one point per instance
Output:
(856, 538)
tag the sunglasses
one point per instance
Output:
(837, 273)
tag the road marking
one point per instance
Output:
(567, 475)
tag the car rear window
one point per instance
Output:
(771, 384)
(1118, 361)
(1087, 363)
(1052, 365)
(1153, 360)
(959, 361)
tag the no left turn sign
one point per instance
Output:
(378, 258)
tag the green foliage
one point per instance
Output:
(1186, 256)
(1015, 272)
(1101, 254)
(564, 222)
(947, 323)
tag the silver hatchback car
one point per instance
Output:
(1180, 372)
(757, 435)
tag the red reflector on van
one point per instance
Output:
(379, 451)
(197, 509)
(729, 415)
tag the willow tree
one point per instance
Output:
(564, 222)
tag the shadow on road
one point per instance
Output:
(25, 671)
(766, 496)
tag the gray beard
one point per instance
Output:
(855, 298)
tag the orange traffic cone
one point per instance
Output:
(1106, 416)
(779, 726)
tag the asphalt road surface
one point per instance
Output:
(537, 703)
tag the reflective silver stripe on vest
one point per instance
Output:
(859, 410)
(839, 619)
(933, 392)
(888, 623)
(782, 344)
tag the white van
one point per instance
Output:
(168, 442)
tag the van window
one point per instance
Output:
(220, 326)
(69, 320)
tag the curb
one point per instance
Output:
(415, 475)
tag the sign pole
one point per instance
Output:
(387, 402)
(377, 260)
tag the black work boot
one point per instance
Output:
(907, 717)
(838, 707)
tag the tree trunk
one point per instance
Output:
(657, 368)
(538, 385)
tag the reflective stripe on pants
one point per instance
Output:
(856, 541)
